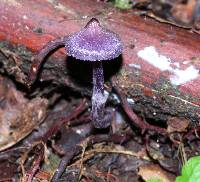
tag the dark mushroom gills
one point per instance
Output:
(95, 44)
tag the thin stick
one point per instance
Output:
(91, 140)
(56, 126)
(134, 118)
(39, 58)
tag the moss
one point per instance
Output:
(123, 4)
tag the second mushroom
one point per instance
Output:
(92, 43)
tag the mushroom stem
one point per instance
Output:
(40, 57)
(98, 97)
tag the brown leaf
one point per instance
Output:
(177, 124)
(18, 115)
(153, 171)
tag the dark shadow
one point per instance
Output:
(81, 71)
(112, 67)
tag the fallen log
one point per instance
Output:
(158, 71)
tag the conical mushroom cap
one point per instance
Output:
(93, 43)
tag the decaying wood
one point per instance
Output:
(158, 90)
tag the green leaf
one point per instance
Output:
(190, 171)
(123, 4)
(154, 180)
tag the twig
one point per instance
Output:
(78, 148)
(39, 59)
(55, 127)
(196, 129)
(133, 117)
(39, 150)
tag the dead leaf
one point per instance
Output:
(19, 116)
(153, 171)
(177, 124)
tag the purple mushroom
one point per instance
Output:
(94, 43)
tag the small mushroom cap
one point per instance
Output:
(93, 43)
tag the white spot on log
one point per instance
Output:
(25, 17)
(137, 66)
(150, 55)
(177, 65)
(183, 76)
(186, 62)
(163, 63)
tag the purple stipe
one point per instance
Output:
(98, 97)
(93, 43)
(40, 57)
